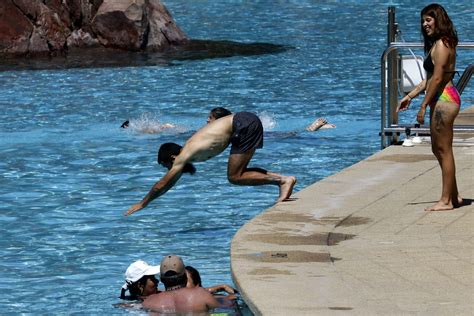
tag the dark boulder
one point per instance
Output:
(52, 27)
(15, 29)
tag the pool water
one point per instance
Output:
(68, 171)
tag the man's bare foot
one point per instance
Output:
(286, 188)
(440, 206)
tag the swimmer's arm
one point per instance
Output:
(159, 188)
(211, 301)
(328, 125)
(222, 287)
(318, 124)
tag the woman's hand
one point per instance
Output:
(404, 104)
(420, 117)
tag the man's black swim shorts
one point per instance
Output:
(247, 133)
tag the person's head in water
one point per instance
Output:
(173, 274)
(166, 155)
(125, 124)
(217, 113)
(194, 278)
(140, 280)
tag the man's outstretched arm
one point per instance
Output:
(319, 123)
(159, 188)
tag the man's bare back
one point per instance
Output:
(182, 300)
(208, 142)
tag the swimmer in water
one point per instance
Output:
(219, 112)
(148, 128)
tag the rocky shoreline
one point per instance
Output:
(99, 57)
(58, 34)
(56, 27)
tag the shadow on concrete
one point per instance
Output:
(100, 58)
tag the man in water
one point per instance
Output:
(148, 128)
(244, 131)
(178, 298)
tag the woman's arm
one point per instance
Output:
(222, 287)
(405, 102)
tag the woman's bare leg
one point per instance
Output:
(441, 127)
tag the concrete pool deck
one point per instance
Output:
(359, 242)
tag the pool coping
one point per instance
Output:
(360, 242)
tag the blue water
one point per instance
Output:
(68, 171)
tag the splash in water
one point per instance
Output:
(149, 123)
(268, 121)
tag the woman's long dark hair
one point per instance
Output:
(444, 27)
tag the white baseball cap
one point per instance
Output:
(137, 270)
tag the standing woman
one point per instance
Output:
(441, 96)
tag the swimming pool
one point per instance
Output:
(69, 171)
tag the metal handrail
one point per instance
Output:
(465, 77)
(394, 46)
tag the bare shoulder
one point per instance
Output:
(195, 291)
(444, 56)
(156, 300)
(203, 291)
(441, 48)
(198, 294)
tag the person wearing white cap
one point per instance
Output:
(178, 298)
(140, 280)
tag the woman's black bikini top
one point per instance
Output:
(428, 64)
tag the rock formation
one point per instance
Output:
(52, 27)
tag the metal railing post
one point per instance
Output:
(392, 63)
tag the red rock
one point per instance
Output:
(119, 24)
(163, 30)
(15, 29)
(55, 26)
